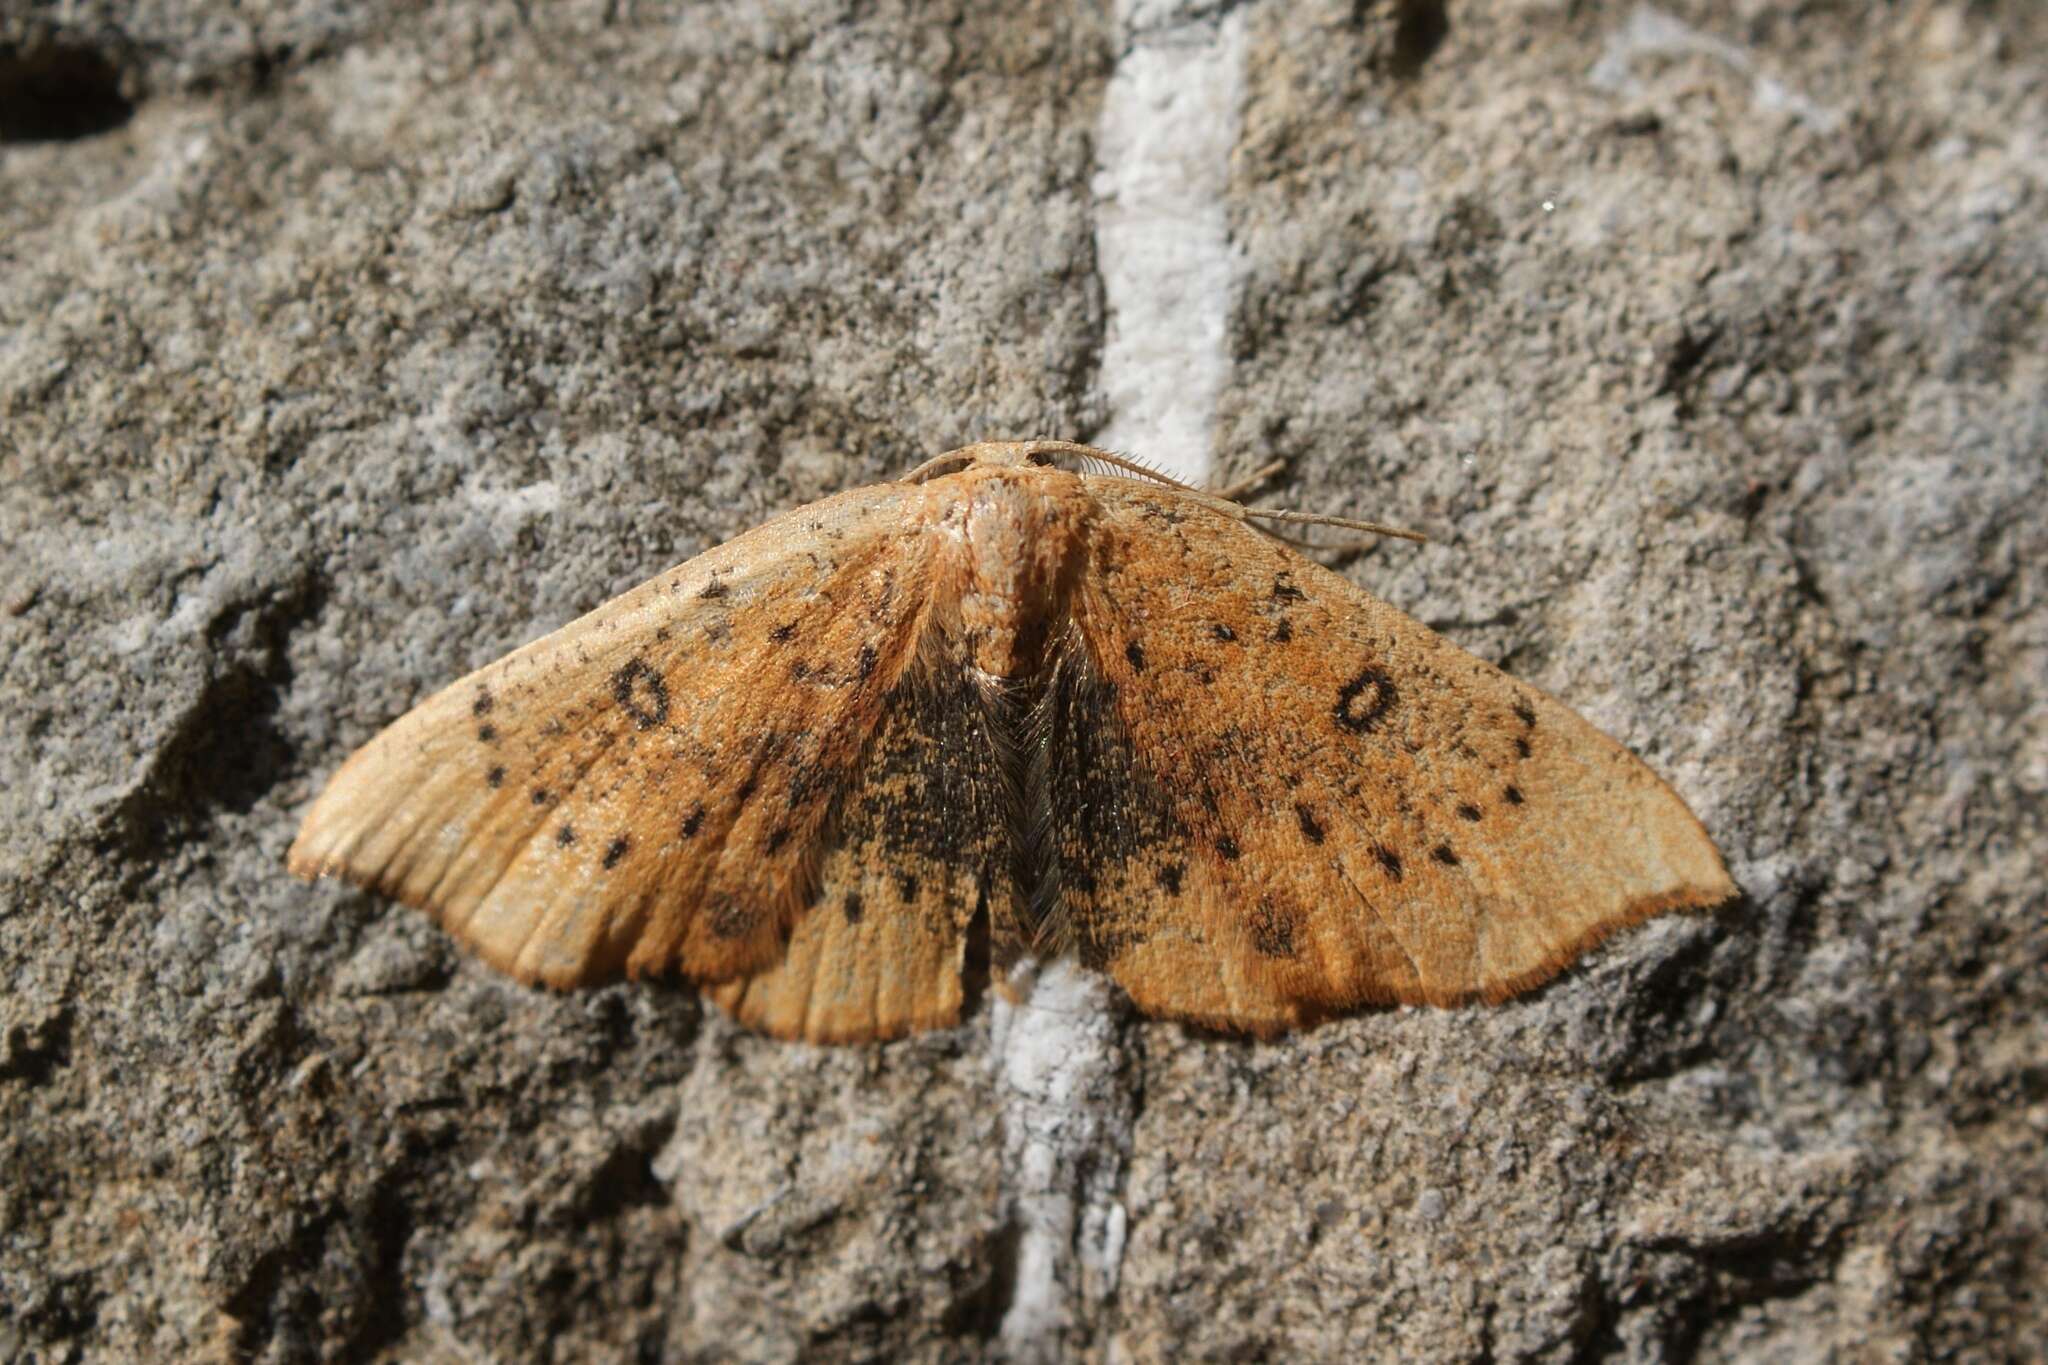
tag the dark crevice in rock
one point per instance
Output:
(1692, 1289)
(60, 93)
(66, 1309)
(35, 1053)
(625, 1179)
(225, 751)
(254, 1305)
(386, 1228)
(1420, 29)
(1657, 1012)
(979, 1313)
(278, 1308)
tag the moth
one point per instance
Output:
(889, 747)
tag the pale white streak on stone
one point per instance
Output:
(1067, 1114)
(1169, 120)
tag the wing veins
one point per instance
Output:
(598, 751)
(1395, 938)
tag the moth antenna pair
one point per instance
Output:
(1226, 499)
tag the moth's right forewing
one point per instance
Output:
(645, 790)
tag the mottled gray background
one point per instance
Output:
(346, 345)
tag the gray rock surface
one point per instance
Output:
(344, 346)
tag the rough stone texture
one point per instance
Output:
(344, 346)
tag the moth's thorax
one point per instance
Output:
(1012, 539)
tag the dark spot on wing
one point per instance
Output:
(777, 837)
(1222, 632)
(616, 850)
(1521, 747)
(851, 907)
(713, 590)
(1442, 853)
(866, 665)
(1310, 830)
(729, 920)
(807, 781)
(1136, 656)
(906, 886)
(1272, 931)
(878, 610)
(1513, 795)
(693, 822)
(1283, 631)
(783, 633)
(1468, 811)
(799, 671)
(487, 733)
(481, 707)
(641, 694)
(1169, 877)
(1164, 513)
(1525, 715)
(1364, 702)
(1285, 591)
(746, 789)
(565, 836)
(541, 796)
(495, 778)
(1227, 847)
(1389, 860)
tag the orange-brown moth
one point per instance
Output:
(904, 738)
